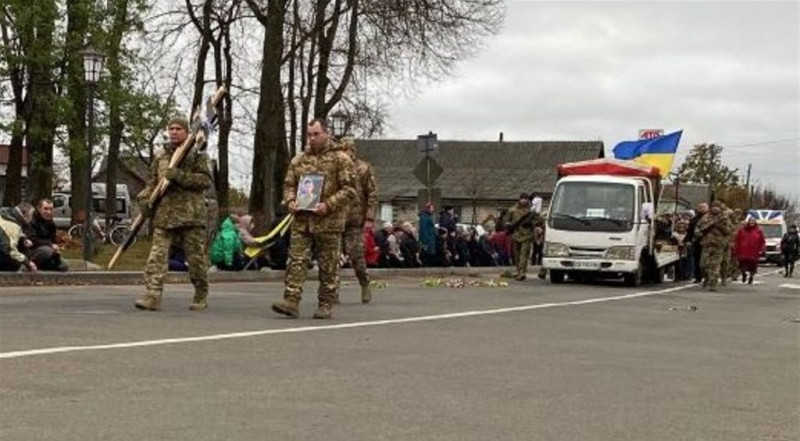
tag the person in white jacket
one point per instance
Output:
(11, 221)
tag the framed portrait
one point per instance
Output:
(309, 191)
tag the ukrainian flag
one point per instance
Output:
(656, 152)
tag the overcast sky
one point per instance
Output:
(724, 72)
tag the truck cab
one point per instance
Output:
(601, 224)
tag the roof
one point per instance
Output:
(488, 170)
(608, 166)
(131, 163)
(5, 150)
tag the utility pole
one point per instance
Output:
(749, 191)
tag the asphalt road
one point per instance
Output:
(529, 362)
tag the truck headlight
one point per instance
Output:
(555, 249)
(621, 253)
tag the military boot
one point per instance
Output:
(750, 279)
(323, 311)
(712, 285)
(366, 294)
(288, 307)
(199, 302)
(149, 302)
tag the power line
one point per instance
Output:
(755, 144)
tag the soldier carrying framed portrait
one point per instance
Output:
(309, 191)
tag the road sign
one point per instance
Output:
(650, 133)
(428, 144)
(428, 171)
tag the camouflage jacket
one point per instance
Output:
(715, 230)
(523, 228)
(366, 201)
(338, 188)
(183, 204)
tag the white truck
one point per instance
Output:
(601, 224)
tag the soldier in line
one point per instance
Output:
(520, 225)
(360, 215)
(729, 269)
(179, 218)
(319, 230)
(714, 228)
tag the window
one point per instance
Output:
(59, 201)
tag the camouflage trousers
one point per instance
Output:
(193, 242)
(354, 248)
(522, 252)
(326, 248)
(729, 268)
(710, 263)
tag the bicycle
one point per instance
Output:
(120, 230)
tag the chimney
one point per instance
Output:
(501, 136)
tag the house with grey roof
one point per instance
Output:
(478, 178)
(684, 197)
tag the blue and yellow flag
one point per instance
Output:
(656, 152)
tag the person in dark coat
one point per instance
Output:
(790, 249)
(41, 232)
(447, 220)
(427, 232)
(693, 240)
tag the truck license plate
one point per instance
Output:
(579, 264)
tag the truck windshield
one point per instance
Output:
(592, 206)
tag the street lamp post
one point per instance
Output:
(339, 123)
(92, 67)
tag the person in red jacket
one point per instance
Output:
(750, 243)
(372, 252)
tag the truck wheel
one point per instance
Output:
(634, 279)
(556, 276)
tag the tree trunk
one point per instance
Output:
(270, 149)
(120, 13)
(77, 28)
(204, 28)
(42, 102)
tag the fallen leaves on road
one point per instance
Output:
(683, 308)
(378, 284)
(435, 282)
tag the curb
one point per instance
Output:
(78, 278)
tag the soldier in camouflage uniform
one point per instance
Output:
(319, 230)
(179, 218)
(360, 215)
(714, 228)
(520, 224)
(729, 269)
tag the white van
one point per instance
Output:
(773, 224)
(62, 211)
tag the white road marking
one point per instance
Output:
(135, 344)
(427, 318)
(789, 286)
